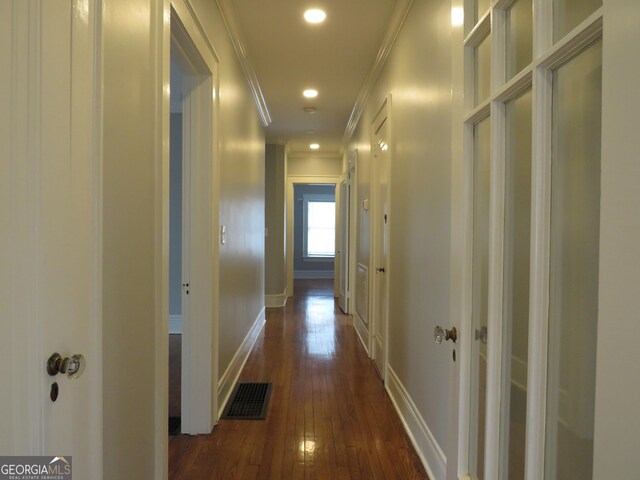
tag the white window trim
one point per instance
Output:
(306, 198)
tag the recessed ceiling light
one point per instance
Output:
(315, 15)
(314, 146)
(310, 93)
(310, 109)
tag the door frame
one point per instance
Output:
(460, 237)
(200, 399)
(291, 182)
(383, 112)
(352, 166)
(343, 246)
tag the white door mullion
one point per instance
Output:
(542, 27)
(466, 322)
(496, 247)
(465, 441)
(495, 314)
(540, 234)
(539, 297)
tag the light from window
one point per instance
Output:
(321, 229)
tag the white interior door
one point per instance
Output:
(344, 199)
(51, 230)
(380, 224)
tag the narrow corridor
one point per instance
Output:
(329, 416)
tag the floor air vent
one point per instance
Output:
(249, 401)
(174, 425)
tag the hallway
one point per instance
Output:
(329, 416)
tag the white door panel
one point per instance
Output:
(380, 225)
(51, 230)
(344, 202)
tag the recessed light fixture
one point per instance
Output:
(314, 146)
(310, 93)
(315, 15)
(309, 109)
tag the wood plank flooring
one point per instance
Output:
(329, 416)
(175, 375)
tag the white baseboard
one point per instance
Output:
(175, 324)
(230, 376)
(430, 453)
(276, 301)
(362, 331)
(313, 274)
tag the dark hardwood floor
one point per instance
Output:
(175, 374)
(329, 416)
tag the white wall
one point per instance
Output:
(299, 166)
(242, 154)
(617, 422)
(418, 76)
(130, 169)
(275, 195)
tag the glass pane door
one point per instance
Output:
(567, 14)
(532, 156)
(480, 291)
(573, 295)
(519, 36)
(515, 335)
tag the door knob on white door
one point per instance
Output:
(440, 334)
(72, 366)
(481, 334)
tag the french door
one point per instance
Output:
(533, 90)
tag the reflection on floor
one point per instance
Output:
(329, 415)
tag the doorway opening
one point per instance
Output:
(175, 250)
(193, 201)
(312, 209)
(314, 231)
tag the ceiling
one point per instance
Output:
(290, 55)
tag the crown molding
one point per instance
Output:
(235, 33)
(393, 29)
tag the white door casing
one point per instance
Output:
(459, 241)
(200, 218)
(291, 182)
(343, 198)
(51, 229)
(353, 225)
(380, 148)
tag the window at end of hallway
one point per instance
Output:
(319, 228)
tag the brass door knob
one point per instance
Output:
(72, 366)
(441, 334)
